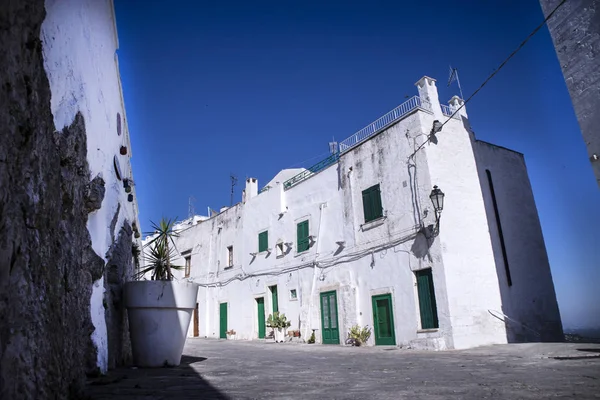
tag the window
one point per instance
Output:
(293, 294)
(229, 257)
(372, 203)
(427, 306)
(263, 241)
(302, 239)
(279, 249)
(188, 265)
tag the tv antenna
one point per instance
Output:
(191, 211)
(233, 183)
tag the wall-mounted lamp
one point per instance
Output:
(437, 199)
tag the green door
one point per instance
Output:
(275, 298)
(383, 320)
(260, 302)
(223, 320)
(329, 320)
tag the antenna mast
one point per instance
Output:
(233, 183)
(191, 211)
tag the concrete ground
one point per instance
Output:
(219, 369)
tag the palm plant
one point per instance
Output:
(160, 250)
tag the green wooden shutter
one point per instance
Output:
(302, 236)
(366, 198)
(376, 208)
(275, 298)
(427, 305)
(263, 241)
(372, 203)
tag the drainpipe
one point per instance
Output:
(351, 206)
(315, 273)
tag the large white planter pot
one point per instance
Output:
(159, 317)
(279, 335)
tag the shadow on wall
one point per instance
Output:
(175, 382)
(421, 245)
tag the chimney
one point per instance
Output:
(251, 188)
(455, 102)
(428, 91)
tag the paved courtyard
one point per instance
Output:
(214, 369)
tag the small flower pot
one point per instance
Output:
(137, 235)
(127, 189)
(130, 198)
(123, 150)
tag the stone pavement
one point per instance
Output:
(219, 369)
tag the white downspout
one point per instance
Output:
(315, 275)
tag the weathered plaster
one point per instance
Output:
(530, 302)
(376, 257)
(575, 31)
(79, 46)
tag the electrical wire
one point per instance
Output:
(494, 73)
(323, 264)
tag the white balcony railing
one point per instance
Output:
(383, 122)
(448, 111)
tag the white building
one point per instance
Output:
(80, 44)
(350, 241)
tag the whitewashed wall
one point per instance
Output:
(530, 303)
(378, 257)
(471, 278)
(332, 203)
(79, 46)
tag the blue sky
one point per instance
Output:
(250, 88)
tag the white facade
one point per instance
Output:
(358, 260)
(79, 42)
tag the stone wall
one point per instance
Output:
(47, 264)
(575, 30)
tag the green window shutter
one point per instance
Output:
(372, 203)
(427, 305)
(366, 197)
(302, 236)
(263, 241)
(275, 298)
(376, 208)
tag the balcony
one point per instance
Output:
(398, 113)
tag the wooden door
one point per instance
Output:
(260, 302)
(329, 318)
(383, 320)
(196, 322)
(223, 320)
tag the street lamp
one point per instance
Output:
(437, 199)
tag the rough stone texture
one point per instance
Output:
(575, 30)
(46, 261)
(119, 269)
(94, 194)
(226, 369)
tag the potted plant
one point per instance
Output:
(231, 334)
(279, 323)
(159, 309)
(358, 336)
